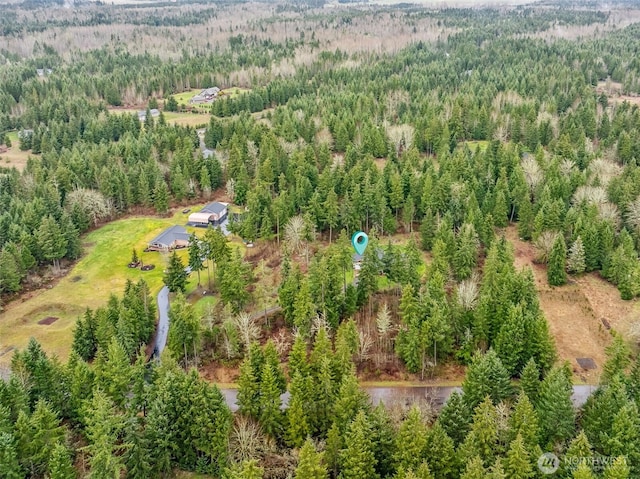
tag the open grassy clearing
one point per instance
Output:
(101, 271)
(15, 157)
(185, 96)
(233, 92)
(472, 144)
(578, 313)
(187, 118)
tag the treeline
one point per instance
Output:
(139, 420)
(118, 75)
(522, 20)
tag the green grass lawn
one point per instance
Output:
(234, 92)
(187, 118)
(185, 96)
(203, 304)
(101, 271)
(13, 136)
(482, 144)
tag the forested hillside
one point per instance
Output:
(439, 132)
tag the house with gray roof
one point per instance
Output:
(142, 114)
(205, 96)
(170, 239)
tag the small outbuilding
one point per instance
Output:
(217, 210)
(212, 214)
(171, 238)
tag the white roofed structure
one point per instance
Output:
(200, 219)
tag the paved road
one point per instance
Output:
(163, 321)
(436, 395)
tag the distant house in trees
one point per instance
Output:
(43, 71)
(207, 95)
(25, 136)
(357, 258)
(212, 214)
(171, 238)
(142, 114)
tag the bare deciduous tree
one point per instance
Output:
(231, 189)
(365, 343)
(468, 292)
(294, 233)
(92, 202)
(544, 244)
(609, 212)
(247, 329)
(633, 214)
(248, 441)
(602, 170)
(595, 195)
(532, 173)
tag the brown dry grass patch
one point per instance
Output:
(575, 311)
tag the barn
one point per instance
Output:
(212, 214)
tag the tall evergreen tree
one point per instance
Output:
(618, 469)
(176, 277)
(185, 331)
(196, 255)
(103, 428)
(161, 197)
(455, 418)
(51, 241)
(270, 412)
(483, 437)
(60, 466)
(625, 436)
(37, 437)
(357, 460)
(518, 463)
(9, 465)
(113, 372)
(440, 453)
(310, 465)
(249, 382)
(555, 409)
(474, 469)
(556, 274)
(235, 276)
(486, 376)
(411, 441)
(583, 471)
(530, 380)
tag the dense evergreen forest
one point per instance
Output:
(485, 119)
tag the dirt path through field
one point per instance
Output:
(579, 313)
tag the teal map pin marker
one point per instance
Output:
(360, 240)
